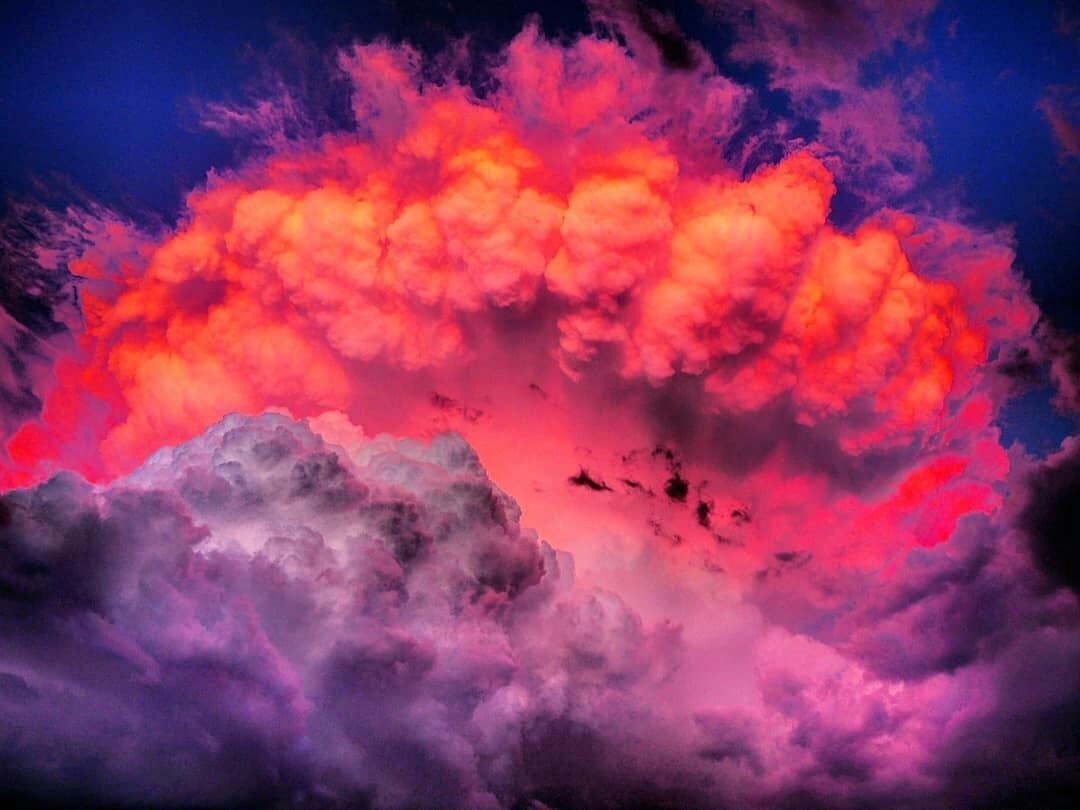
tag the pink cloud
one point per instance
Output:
(801, 571)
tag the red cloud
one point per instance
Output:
(565, 232)
(769, 442)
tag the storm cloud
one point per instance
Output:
(259, 616)
(530, 431)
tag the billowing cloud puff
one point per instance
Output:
(786, 560)
(321, 624)
(260, 616)
(577, 202)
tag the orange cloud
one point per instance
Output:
(561, 235)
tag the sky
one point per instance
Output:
(608, 404)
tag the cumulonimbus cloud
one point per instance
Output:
(260, 615)
(766, 445)
(575, 198)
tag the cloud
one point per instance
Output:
(786, 560)
(255, 615)
(39, 306)
(22, 362)
(260, 616)
(1059, 108)
(825, 57)
(1050, 518)
(583, 202)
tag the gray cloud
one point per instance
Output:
(258, 617)
(254, 617)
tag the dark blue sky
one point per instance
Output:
(989, 139)
(102, 97)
